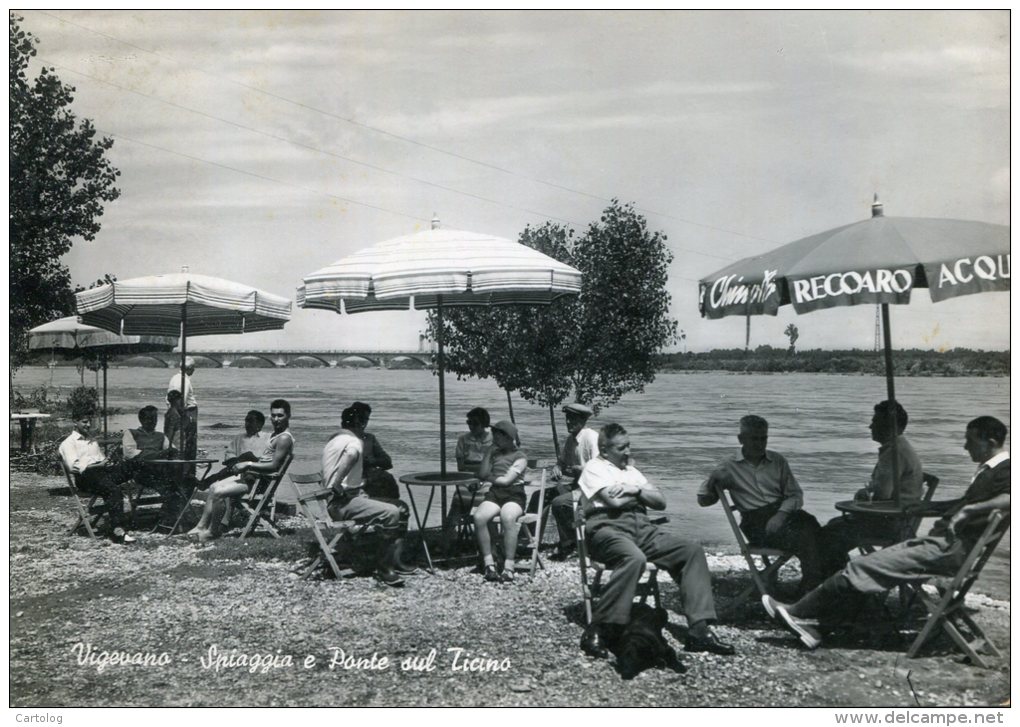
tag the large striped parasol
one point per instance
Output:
(183, 304)
(435, 269)
(74, 338)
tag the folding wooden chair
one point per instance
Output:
(312, 500)
(259, 498)
(535, 478)
(947, 612)
(591, 590)
(763, 579)
(89, 514)
(868, 545)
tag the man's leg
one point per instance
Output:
(366, 511)
(800, 536)
(98, 481)
(685, 561)
(563, 513)
(211, 513)
(615, 547)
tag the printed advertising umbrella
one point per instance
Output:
(436, 269)
(73, 338)
(181, 304)
(877, 261)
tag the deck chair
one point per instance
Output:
(260, 503)
(591, 590)
(868, 545)
(534, 478)
(947, 612)
(763, 579)
(312, 500)
(89, 514)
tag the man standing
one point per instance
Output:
(942, 552)
(93, 473)
(842, 534)
(580, 447)
(342, 468)
(768, 498)
(190, 405)
(615, 497)
(246, 473)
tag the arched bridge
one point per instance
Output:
(287, 357)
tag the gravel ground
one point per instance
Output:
(217, 624)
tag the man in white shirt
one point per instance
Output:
(190, 407)
(93, 473)
(342, 472)
(615, 496)
(580, 447)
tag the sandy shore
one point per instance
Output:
(215, 625)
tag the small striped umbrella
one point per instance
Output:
(183, 304)
(74, 338)
(435, 269)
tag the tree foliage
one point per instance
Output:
(793, 334)
(596, 346)
(60, 178)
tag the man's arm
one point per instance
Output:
(129, 445)
(283, 448)
(378, 456)
(793, 499)
(334, 479)
(965, 513)
(707, 493)
(622, 496)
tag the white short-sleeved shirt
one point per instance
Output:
(189, 390)
(335, 448)
(600, 473)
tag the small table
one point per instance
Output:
(27, 421)
(432, 480)
(886, 510)
(188, 462)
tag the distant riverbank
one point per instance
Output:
(912, 362)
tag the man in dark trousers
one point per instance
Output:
(768, 498)
(942, 552)
(616, 496)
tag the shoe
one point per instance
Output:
(389, 578)
(127, 539)
(808, 635)
(593, 644)
(708, 643)
(406, 570)
(491, 575)
(118, 535)
(561, 554)
(506, 577)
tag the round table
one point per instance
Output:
(434, 480)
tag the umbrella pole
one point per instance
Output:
(891, 395)
(442, 405)
(105, 415)
(184, 356)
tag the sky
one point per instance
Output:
(260, 146)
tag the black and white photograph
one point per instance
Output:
(510, 358)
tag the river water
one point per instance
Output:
(679, 427)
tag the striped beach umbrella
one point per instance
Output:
(74, 338)
(435, 269)
(183, 304)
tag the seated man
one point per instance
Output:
(94, 473)
(842, 534)
(942, 552)
(342, 472)
(246, 474)
(379, 483)
(769, 499)
(615, 496)
(145, 443)
(580, 447)
(246, 447)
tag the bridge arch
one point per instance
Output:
(355, 358)
(161, 360)
(252, 357)
(421, 361)
(307, 357)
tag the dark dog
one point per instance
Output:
(641, 644)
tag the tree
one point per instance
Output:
(60, 178)
(600, 344)
(792, 333)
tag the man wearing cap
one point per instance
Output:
(616, 497)
(580, 447)
(190, 407)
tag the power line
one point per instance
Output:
(259, 176)
(409, 140)
(308, 147)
